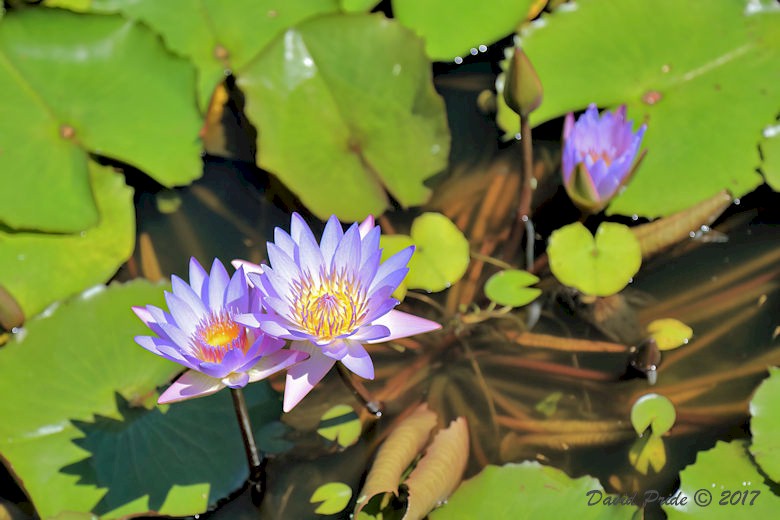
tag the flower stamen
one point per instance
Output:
(216, 335)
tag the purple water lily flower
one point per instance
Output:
(598, 156)
(200, 333)
(330, 299)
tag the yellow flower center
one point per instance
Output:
(330, 305)
(217, 335)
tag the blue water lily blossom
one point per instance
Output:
(330, 299)
(200, 332)
(598, 156)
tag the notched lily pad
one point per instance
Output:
(654, 411)
(511, 288)
(441, 254)
(648, 452)
(599, 266)
(340, 424)
(117, 93)
(334, 497)
(332, 114)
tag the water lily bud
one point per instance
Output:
(599, 156)
(522, 87)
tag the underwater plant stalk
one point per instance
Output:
(373, 406)
(255, 458)
(526, 190)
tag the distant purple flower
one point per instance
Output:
(331, 298)
(598, 156)
(200, 333)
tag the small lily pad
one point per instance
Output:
(549, 405)
(441, 253)
(765, 425)
(648, 452)
(340, 424)
(334, 497)
(669, 333)
(510, 288)
(655, 411)
(599, 266)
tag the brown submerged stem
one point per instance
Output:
(526, 190)
(371, 404)
(255, 458)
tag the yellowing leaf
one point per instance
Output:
(398, 451)
(340, 424)
(648, 452)
(439, 471)
(334, 497)
(669, 333)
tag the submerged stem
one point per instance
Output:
(373, 406)
(254, 457)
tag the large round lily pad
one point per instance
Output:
(530, 491)
(74, 84)
(452, 28)
(78, 423)
(703, 78)
(39, 269)
(718, 476)
(765, 425)
(217, 35)
(345, 109)
(599, 266)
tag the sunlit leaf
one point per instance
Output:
(705, 107)
(39, 269)
(399, 450)
(217, 35)
(334, 497)
(340, 424)
(720, 475)
(333, 113)
(654, 411)
(511, 287)
(78, 84)
(82, 432)
(357, 6)
(648, 452)
(765, 425)
(439, 471)
(441, 253)
(599, 266)
(529, 491)
(453, 27)
(669, 333)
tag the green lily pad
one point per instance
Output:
(648, 452)
(340, 424)
(654, 411)
(333, 113)
(529, 491)
(39, 269)
(718, 476)
(510, 288)
(705, 107)
(452, 28)
(217, 35)
(669, 333)
(765, 425)
(78, 423)
(441, 253)
(357, 6)
(77, 84)
(600, 266)
(334, 497)
(770, 151)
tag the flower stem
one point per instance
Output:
(526, 191)
(254, 457)
(373, 406)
